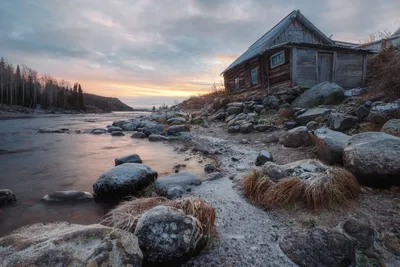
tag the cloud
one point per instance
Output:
(173, 48)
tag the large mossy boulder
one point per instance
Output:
(64, 244)
(374, 158)
(321, 94)
(167, 236)
(123, 181)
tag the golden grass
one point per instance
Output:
(126, 215)
(337, 187)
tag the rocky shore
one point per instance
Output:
(301, 138)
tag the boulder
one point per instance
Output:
(167, 236)
(220, 116)
(341, 121)
(374, 158)
(312, 114)
(114, 129)
(210, 168)
(236, 104)
(261, 127)
(178, 120)
(119, 123)
(67, 196)
(319, 247)
(263, 157)
(98, 131)
(157, 138)
(234, 129)
(117, 133)
(330, 145)
(258, 108)
(361, 232)
(177, 129)
(130, 126)
(246, 128)
(275, 172)
(296, 137)
(123, 181)
(7, 197)
(312, 125)
(183, 180)
(241, 116)
(392, 127)
(138, 135)
(230, 117)
(323, 93)
(132, 158)
(152, 128)
(382, 112)
(361, 112)
(175, 192)
(271, 102)
(286, 112)
(290, 125)
(234, 110)
(64, 244)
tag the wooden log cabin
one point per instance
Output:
(295, 52)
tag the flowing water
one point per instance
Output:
(34, 164)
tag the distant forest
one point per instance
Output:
(23, 86)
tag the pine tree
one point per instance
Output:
(75, 102)
(80, 98)
(2, 72)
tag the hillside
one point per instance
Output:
(96, 103)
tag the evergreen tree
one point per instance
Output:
(80, 98)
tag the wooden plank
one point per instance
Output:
(364, 70)
(334, 66)
(316, 65)
(293, 63)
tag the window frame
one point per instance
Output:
(277, 54)
(256, 76)
(237, 83)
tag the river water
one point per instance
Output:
(34, 164)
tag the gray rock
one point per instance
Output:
(341, 121)
(241, 116)
(64, 244)
(374, 158)
(178, 120)
(119, 123)
(296, 137)
(174, 192)
(230, 117)
(272, 138)
(392, 127)
(234, 110)
(312, 114)
(67, 196)
(246, 128)
(271, 102)
(152, 128)
(312, 125)
(234, 129)
(7, 197)
(51, 130)
(157, 138)
(177, 129)
(182, 179)
(258, 108)
(261, 127)
(263, 157)
(114, 129)
(98, 131)
(275, 172)
(361, 232)
(117, 133)
(236, 104)
(210, 168)
(383, 112)
(138, 135)
(167, 236)
(130, 126)
(323, 93)
(330, 145)
(132, 158)
(214, 176)
(290, 125)
(123, 181)
(220, 116)
(319, 247)
(361, 112)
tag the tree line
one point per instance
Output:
(25, 87)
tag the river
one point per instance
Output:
(34, 164)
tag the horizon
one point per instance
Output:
(150, 54)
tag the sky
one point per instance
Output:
(153, 52)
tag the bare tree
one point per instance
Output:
(376, 36)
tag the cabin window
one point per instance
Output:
(278, 59)
(254, 76)
(237, 83)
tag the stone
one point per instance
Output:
(50, 130)
(117, 133)
(98, 131)
(271, 101)
(263, 157)
(290, 125)
(234, 110)
(330, 145)
(177, 129)
(319, 247)
(220, 116)
(258, 108)
(392, 127)
(119, 123)
(7, 197)
(157, 138)
(123, 181)
(178, 120)
(246, 128)
(234, 129)
(175, 192)
(64, 244)
(114, 129)
(230, 117)
(361, 232)
(261, 127)
(382, 112)
(67, 196)
(274, 172)
(324, 93)
(132, 158)
(341, 121)
(130, 126)
(285, 113)
(374, 158)
(152, 128)
(167, 236)
(210, 168)
(241, 116)
(296, 137)
(182, 179)
(214, 176)
(138, 135)
(312, 125)
(361, 112)
(312, 114)
(272, 138)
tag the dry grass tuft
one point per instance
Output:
(126, 215)
(335, 188)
